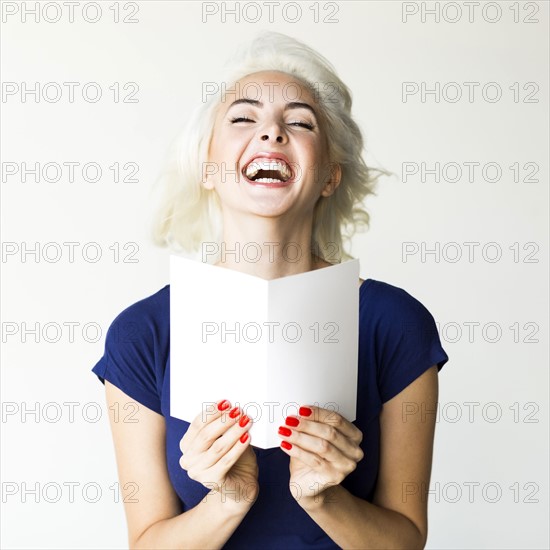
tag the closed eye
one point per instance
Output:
(296, 123)
(241, 119)
(303, 125)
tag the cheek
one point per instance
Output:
(223, 149)
(221, 136)
(219, 139)
(322, 171)
(317, 160)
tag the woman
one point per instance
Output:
(278, 156)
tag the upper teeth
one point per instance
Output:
(268, 164)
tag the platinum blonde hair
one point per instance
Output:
(188, 215)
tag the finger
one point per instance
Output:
(223, 444)
(332, 418)
(340, 452)
(218, 470)
(336, 472)
(211, 412)
(326, 432)
(313, 460)
(200, 450)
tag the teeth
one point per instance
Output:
(268, 180)
(265, 164)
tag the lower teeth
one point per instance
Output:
(268, 180)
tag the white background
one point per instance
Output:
(169, 53)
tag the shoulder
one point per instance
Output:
(143, 319)
(393, 312)
(148, 306)
(389, 299)
(136, 350)
(402, 332)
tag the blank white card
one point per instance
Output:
(268, 346)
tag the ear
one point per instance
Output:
(334, 179)
(206, 182)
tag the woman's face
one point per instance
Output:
(272, 114)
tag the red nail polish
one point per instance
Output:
(233, 413)
(243, 421)
(305, 411)
(244, 437)
(285, 431)
(224, 404)
(286, 445)
(291, 421)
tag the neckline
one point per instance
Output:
(363, 284)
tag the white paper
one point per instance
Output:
(298, 343)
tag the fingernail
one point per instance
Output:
(286, 445)
(223, 404)
(243, 421)
(244, 437)
(233, 413)
(285, 431)
(291, 421)
(305, 411)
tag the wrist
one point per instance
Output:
(231, 502)
(314, 503)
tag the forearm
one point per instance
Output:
(208, 525)
(352, 522)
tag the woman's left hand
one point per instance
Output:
(324, 450)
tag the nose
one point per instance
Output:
(265, 137)
(275, 132)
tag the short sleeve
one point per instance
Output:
(128, 361)
(407, 342)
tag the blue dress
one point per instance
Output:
(398, 341)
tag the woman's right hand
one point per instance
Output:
(214, 454)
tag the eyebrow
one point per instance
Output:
(290, 105)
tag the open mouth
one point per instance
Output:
(268, 171)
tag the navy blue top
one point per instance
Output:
(398, 341)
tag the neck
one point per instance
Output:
(277, 248)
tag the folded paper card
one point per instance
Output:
(268, 346)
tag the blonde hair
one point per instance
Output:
(188, 215)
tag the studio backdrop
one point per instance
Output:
(452, 98)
